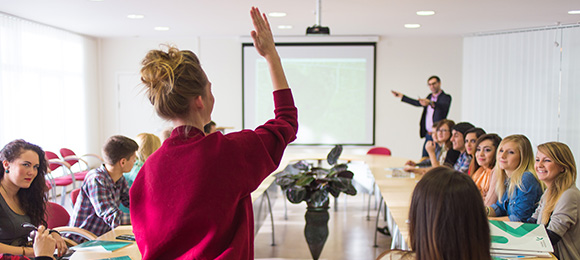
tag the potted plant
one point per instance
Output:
(303, 182)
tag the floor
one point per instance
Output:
(351, 235)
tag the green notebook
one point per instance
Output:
(100, 245)
(118, 258)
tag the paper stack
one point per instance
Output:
(516, 240)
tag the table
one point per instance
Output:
(131, 250)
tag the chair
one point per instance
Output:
(50, 186)
(380, 150)
(71, 158)
(55, 163)
(376, 151)
(57, 218)
(74, 195)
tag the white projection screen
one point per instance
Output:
(333, 87)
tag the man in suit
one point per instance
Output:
(435, 108)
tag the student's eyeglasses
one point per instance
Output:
(442, 130)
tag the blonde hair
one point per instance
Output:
(171, 79)
(148, 143)
(561, 155)
(526, 165)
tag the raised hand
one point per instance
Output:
(262, 34)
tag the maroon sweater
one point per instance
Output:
(191, 199)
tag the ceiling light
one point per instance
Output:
(574, 12)
(412, 25)
(135, 16)
(284, 27)
(97, 0)
(425, 13)
(277, 14)
(161, 28)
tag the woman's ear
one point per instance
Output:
(5, 164)
(199, 102)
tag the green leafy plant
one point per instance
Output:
(303, 182)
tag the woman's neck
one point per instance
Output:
(192, 121)
(9, 188)
(508, 173)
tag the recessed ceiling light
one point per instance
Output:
(97, 0)
(284, 27)
(574, 12)
(277, 14)
(161, 28)
(135, 16)
(412, 25)
(425, 13)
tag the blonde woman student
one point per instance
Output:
(517, 186)
(148, 143)
(559, 208)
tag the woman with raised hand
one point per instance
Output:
(482, 166)
(517, 186)
(23, 198)
(191, 199)
(559, 208)
(446, 219)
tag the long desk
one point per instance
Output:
(395, 191)
(131, 250)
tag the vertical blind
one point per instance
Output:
(525, 82)
(42, 85)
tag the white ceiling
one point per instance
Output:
(188, 18)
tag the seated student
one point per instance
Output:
(458, 140)
(446, 156)
(517, 184)
(482, 167)
(559, 208)
(425, 161)
(105, 188)
(471, 138)
(446, 219)
(148, 143)
(23, 198)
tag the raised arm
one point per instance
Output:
(264, 43)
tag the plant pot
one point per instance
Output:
(316, 229)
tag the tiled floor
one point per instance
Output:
(350, 237)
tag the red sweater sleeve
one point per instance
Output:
(281, 130)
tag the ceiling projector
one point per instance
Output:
(317, 29)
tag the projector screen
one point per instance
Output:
(333, 87)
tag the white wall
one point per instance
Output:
(123, 57)
(403, 64)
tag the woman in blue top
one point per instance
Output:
(148, 143)
(517, 184)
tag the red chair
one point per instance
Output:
(57, 218)
(380, 150)
(55, 163)
(74, 195)
(71, 158)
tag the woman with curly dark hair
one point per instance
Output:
(22, 197)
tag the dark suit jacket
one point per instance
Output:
(441, 109)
